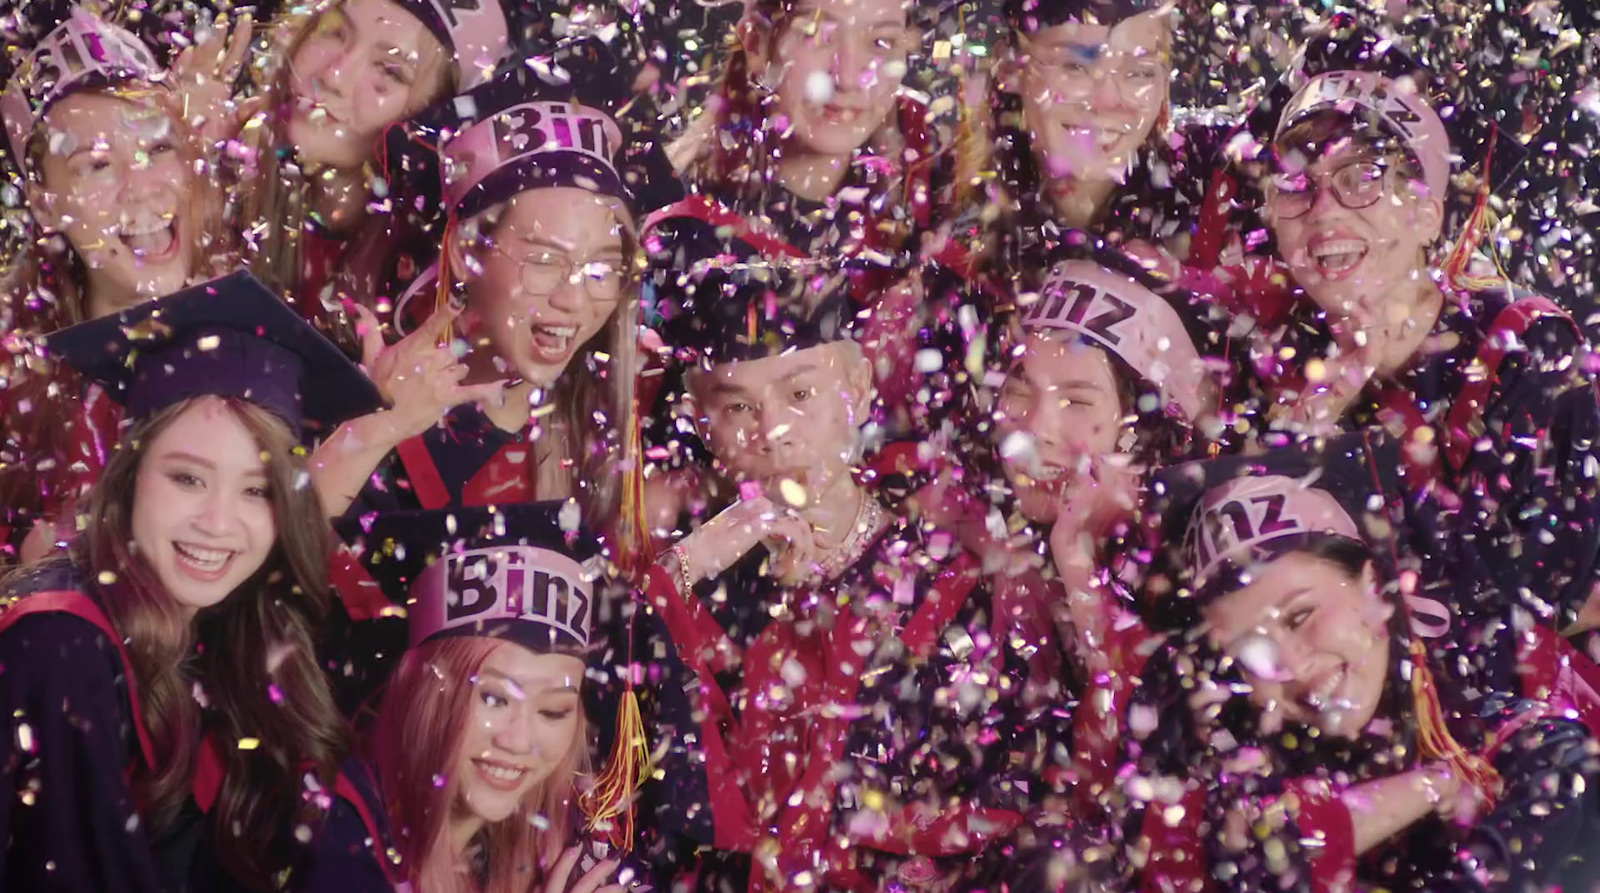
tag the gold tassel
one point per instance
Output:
(441, 299)
(1433, 737)
(1458, 263)
(610, 800)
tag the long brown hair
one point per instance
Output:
(594, 395)
(256, 662)
(418, 739)
(45, 289)
(276, 189)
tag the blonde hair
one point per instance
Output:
(274, 210)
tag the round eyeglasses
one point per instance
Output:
(544, 271)
(1356, 185)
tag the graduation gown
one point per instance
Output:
(1523, 700)
(1511, 497)
(76, 733)
(855, 731)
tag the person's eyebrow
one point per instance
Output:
(802, 369)
(530, 685)
(1287, 597)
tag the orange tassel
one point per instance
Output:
(1456, 265)
(609, 804)
(441, 300)
(1433, 737)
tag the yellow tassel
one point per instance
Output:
(1433, 736)
(1457, 264)
(441, 299)
(610, 801)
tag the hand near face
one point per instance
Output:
(723, 540)
(592, 882)
(420, 378)
(203, 77)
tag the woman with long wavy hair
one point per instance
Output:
(539, 288)
(122, 212)
(481, 745)
(337, 76)
(169, 724)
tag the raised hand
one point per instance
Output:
(420, 378)
(202, 81)
(723, 540)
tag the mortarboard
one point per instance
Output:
(749, 308)
(510, 572)
(1220, 517)
(230, 337)
(474, 31)
(81, 52)
(1028, 16)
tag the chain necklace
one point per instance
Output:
(868, 521)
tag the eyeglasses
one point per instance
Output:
(1076, 69)
(1356, 185)
(542, 272)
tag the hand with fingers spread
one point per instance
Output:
(722, 541)
(420, 378)
(202, 80)
(595, 880)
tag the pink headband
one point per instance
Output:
(1124, 317)
(1250, 511)
(80, 48)
(504, 587)
(1396, 102)
(531, 128)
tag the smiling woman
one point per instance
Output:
(200, 567)
(481, 742)
(123, 212)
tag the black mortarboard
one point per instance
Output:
(1346, 45)
(722, 309)
(474, 31)
(515, 572)
(551, 121)
(1028, 16)
(1218, 517)
(230, 337)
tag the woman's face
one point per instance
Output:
(550, 280)
(115, 184)
(365, 65)
(835, 68)
(1351, 261)
(796, 416)
(1059, 408)
(523, 725)
(1092, 94)
(1312, 641)
(202, 508)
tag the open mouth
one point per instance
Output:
(1335, 258)
(502, 776)
(553, 343)
(1323, 696)
(1102, 138)
(201, 562)
(151, 242)
(838, 114)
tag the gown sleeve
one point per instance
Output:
(343, 858)
(67, 814)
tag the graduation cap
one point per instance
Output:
(510, 572)
(1028, 16)
(81, 52)
(1159, 331)
(752, 307)
(230, 337)
(1221, 517)
(475, 32)
(1354, 70)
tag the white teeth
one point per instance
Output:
(203, 558)
(559, 331)
(1339, 246)
(149, 240)
(500, 773)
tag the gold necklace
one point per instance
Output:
(869, 518)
